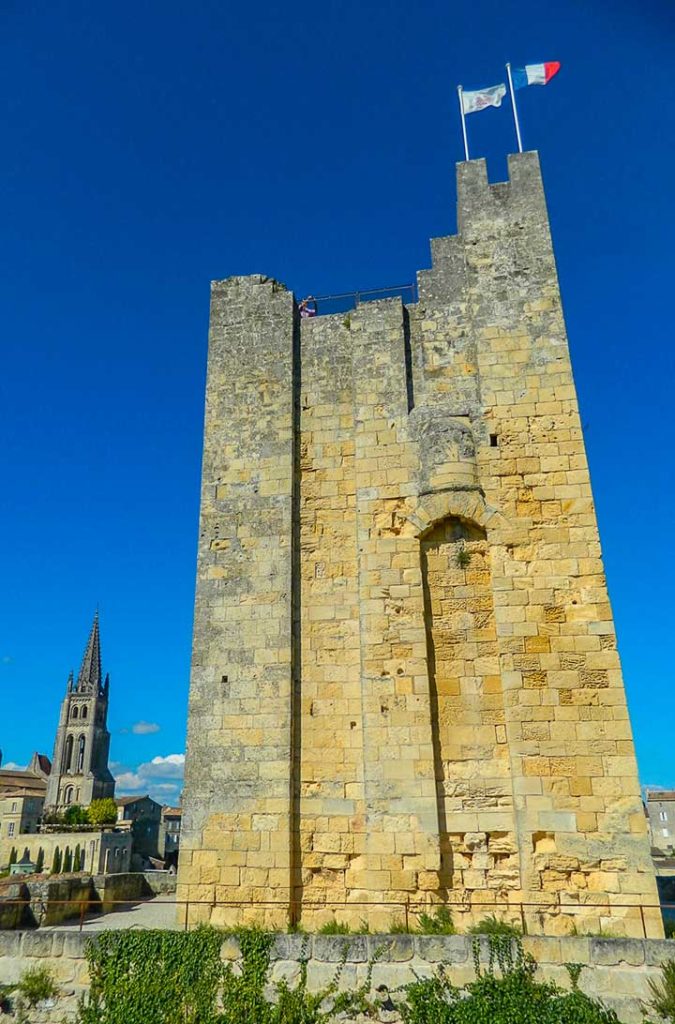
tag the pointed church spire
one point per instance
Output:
(89, 677)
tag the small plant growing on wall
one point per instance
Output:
(37, 985)
(462, 558)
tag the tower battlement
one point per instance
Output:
(405, 686)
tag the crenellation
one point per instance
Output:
(405, 686)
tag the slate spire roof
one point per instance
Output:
(89, 678)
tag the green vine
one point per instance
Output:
(162, 977)
(153, 977)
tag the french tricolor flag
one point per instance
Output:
(535, 74)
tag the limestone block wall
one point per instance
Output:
(614, 971)
(405, 685)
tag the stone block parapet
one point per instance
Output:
(615, 971)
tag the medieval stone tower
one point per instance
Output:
(405, 684)
(80, 764)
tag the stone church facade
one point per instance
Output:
(405, 684)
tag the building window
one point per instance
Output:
(68, 754)
(10, 829)
(84, 712)
(13, 806)
(663, 816)
(665, 832)
(80, 754)
(74, 713)
(68, 795)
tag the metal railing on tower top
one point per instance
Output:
(343, 302)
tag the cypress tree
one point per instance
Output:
(12, 856)
(67, 861)
(40, 861)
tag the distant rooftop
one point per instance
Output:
(657, 795)
(11, 780)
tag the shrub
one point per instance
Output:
(76, 815)
(40, 861)
(335, 928)
(663, 992)
(56, 862)
(438, 923)
(493, 925)
(103, 812)
(511, 997)
(67, 861)
(36, 985)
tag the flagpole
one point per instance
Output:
(514, 108)
(460, 95)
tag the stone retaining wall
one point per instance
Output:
(36, 901)
(615, 970)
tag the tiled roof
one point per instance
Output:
(10, 781)
(656, 795)
(10, 794)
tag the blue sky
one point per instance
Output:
(148, 148)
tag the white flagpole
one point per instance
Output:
(515, 109)
(460, 94)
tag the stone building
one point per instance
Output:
(142, 815)
(169, 835)
(660, 805)
(22, 796)
(80, 771)
(405, 684)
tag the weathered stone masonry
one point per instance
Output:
(405, 682)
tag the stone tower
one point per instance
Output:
(80, 771)
(405, 684)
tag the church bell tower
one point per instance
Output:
(80, 771)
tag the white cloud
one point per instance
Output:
(143, 728)
(12, 766)
(127, 781)
(161, 777)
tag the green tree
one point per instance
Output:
(56, 862)
(103, 812)
(13, 856)
(76, 815)
(76, 859)
(67, 861)
(40, 861)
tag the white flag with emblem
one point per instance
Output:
(479, 99)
